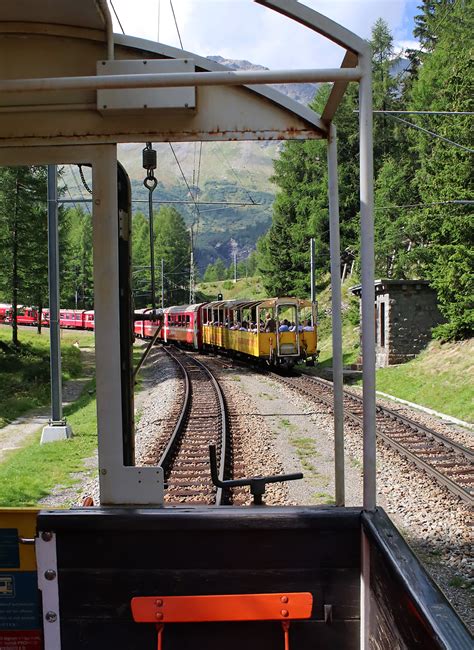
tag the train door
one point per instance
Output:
(287, 336)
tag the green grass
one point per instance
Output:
(251, 288)
(31, 473)
(306, 451)
(25, 372)
(439, 378)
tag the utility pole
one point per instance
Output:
(312, 264)
(57, 428)
(192, 291)
(235, 267)
(162, 283)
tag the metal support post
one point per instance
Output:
(162, 283)
(57, 428)
(335, 253)
(312, 279)
(235, 267)
(368, 291)
(368, 325)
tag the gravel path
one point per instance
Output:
(16, 434)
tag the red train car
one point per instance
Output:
(25, 315)
(183, 324)
(138, 325)
(89, 319)
(4, 308)
(71, 318)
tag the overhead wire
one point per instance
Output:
(220, 153)
(432, 133)
(176, 23)
(116, 16)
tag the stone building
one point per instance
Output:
(405, 313)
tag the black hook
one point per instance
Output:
(150, 183)
(256, 483)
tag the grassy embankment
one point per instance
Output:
(32, 472)
(24, 373)
(439, 378)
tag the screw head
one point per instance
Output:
(46, 536)
(51, 617)
(284, 599)
(284, 612)
(158, 602)
(50, 574)
(159, 616)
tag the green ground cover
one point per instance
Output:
(440, 378)
(251, 288)
(31, 473)
(24, 373)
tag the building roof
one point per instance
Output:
(383, 285)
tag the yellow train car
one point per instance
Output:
(280, 331)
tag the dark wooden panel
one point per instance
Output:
(223, 549)
(106, 557)
(82, 593)
(188, 518)
(215, 636)
(407, 609)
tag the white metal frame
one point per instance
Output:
(119, 484)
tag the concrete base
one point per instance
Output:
(55, 432)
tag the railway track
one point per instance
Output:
(450, 464)
(201, 422)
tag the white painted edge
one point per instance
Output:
(443, 416)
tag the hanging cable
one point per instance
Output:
(116, 16)
(150, 182)
(176, 23)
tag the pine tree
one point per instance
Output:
(444, 177)
(23, 236)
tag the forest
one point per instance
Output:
(423, 105)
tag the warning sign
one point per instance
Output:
(20, 617)
(25, 640)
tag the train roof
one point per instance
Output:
(269, 303)
(179, 309)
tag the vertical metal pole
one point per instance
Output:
(152, 250)
(53, 276)
(335, 254)
(368, 291)
(312, 271)
(235, 267)
(162, 283)
(368, 326)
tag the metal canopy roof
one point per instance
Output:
(81, 13)
(60, 42)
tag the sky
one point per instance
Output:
(241, 29)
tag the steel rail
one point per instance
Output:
(166, 458)
(429, 469)
(167, 455)
(385, 410)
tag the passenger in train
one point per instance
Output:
(307, 326)
(270, 325)
(284, 327)
(244, 326)
(292, 327)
